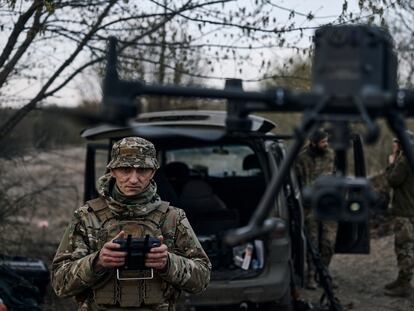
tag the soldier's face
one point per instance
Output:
(322, 144)
(132, 181)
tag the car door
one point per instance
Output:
(292, 195)
(96, 159)
(353, 237)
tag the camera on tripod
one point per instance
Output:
(340, 199)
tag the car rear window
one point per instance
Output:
(217, 160)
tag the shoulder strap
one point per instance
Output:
(99, 207)
(97, 204)
(161, 213)
(164, 206)
(169, 219)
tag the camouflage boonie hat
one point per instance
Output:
(133, 152)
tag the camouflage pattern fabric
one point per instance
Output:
(404, 246)
(382, 188)
(322, 235)
(149, 199)
(401, 178)
(100, 220)
(133, 152)
(379, 182)
(309, 166)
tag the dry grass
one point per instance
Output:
(42, 191)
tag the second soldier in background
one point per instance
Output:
(401, 179)
(317, 159)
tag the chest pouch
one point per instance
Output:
(132, 287)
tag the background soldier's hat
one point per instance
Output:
(133, 152)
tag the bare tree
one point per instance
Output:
(398, 17)
(49, 43)
(400, 22)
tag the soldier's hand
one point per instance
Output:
(157, 257)
(2, 306)
(391, 158)
(110, 256)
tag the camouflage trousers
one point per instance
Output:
(404, 246)
(322, 235)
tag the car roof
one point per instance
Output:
(194, 123)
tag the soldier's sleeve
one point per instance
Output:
(72, 267)
(396, 172)
(188, 265)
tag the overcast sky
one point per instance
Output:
(325, 11)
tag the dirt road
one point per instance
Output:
(361, 279)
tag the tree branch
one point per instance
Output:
(21, 113)
(31, 34)
(74, 74)
(126, 44)
(18, 29)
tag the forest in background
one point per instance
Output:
(39, 131)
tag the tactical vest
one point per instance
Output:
(131, 293)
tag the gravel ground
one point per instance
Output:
(361, 279)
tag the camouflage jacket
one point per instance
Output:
(310, 165)
(382, 188)
(401, 179)
(73, 274)
(379, 182)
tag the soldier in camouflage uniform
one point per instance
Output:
(382, 188)
(401, 179)
(86, 260)
(317, 159)
(380, 221)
